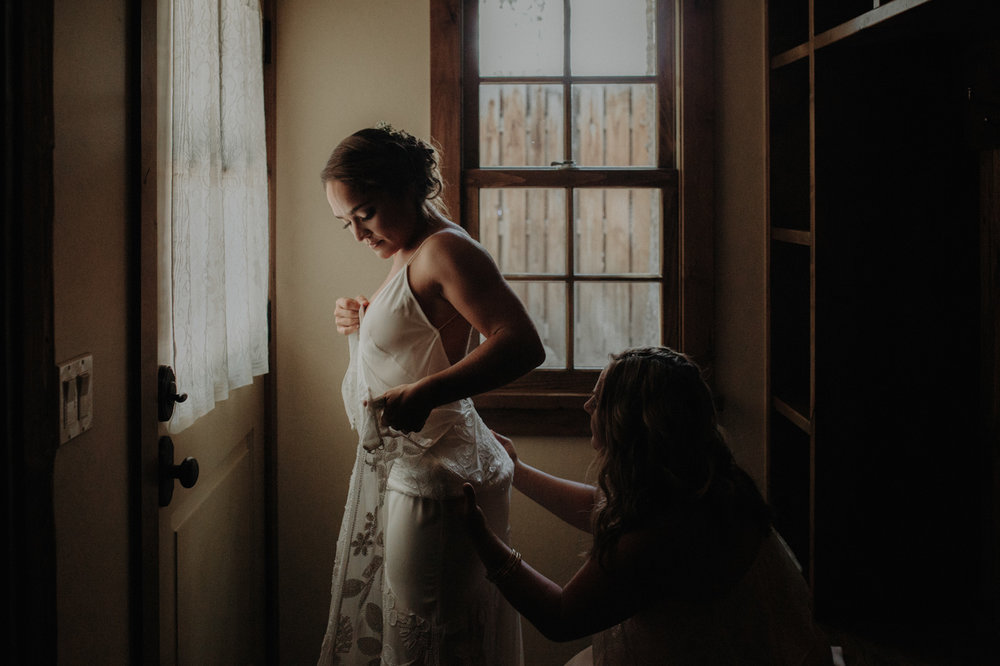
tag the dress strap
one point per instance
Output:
(412, 256)
(450, 319)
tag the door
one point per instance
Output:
(201, 585)
(211, 549)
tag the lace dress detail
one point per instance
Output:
(407, 587)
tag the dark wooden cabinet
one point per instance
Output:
(883, 282)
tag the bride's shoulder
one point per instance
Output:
(451, 246)
(450, 237)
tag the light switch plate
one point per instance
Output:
(76, 402)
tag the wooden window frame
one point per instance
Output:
(547, 401)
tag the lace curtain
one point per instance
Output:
(214, 299)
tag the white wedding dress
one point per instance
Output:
(408, 587)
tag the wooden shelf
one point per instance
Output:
(882, 333)
(865, 21)
(793, 415)
(879, 13)
(793, 54)
(793, 236)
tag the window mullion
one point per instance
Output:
(471, 82)
(567, 156)
(567, 87)
(570, 284)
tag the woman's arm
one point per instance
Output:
(593, 600)
(571, 501)
(461, 272)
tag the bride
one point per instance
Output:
(408, 587)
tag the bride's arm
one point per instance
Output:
(466, 277)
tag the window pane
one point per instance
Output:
(614, 125)
(520, 125)
(613, 38)
(520, 38)
(546, 303)
(613, 316)
(524, 229)
(617, 231)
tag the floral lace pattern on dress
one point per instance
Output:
(366, 624)
(413, 636)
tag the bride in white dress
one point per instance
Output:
(408, 587)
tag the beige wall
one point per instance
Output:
(341, 66)
(90, 254)
(741, 228)
(345, 65)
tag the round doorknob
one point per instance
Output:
(186, 472)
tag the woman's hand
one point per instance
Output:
(403, 408)
(475, 519)
(347, 314)
(508, 446)
(488, 545)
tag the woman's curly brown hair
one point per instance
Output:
(661, 446)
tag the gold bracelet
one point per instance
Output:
(506, 568)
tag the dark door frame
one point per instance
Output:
(30, 428)
(144, 547)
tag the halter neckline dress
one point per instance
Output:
(408, 587)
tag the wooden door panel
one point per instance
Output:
(212, 541)
(219, 616)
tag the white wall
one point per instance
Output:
(90, 258)
(741, 228)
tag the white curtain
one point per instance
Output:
(218, 236)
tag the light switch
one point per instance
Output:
(84, 399)
(76, 388)
(69, 424)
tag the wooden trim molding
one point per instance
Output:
(143, 486)
(696, 100)
(271, 604)
(446, 95)
(547, 422)
(576, 177)
(989, 174)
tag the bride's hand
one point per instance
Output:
(347, 314)
(403, 408)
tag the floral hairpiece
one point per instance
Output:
(389, 129)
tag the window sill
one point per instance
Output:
(537, 422)
(544, 403)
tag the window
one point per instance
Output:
(562, 141)
(213, 208)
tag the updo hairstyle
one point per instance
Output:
(389, 161)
